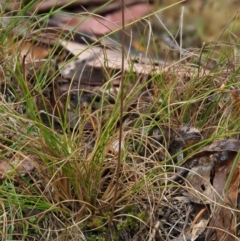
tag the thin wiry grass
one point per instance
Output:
(70, 192)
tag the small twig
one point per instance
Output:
(23, 65)
(197, 217)
(181, 31)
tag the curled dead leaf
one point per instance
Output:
(217, 151)
(210, 170)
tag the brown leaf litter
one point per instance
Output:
(209, 171)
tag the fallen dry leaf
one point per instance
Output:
(218, 151)
(17, 164)
(98, 57)
(224, 219)
(96, 24)
(201, 190)
(32, 52)
(219, 156)
(198, 228)
(46, 5)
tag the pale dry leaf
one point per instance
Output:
(17, 165)
(112, 59)
(201, 190)
(199, 228)
(100, 58)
